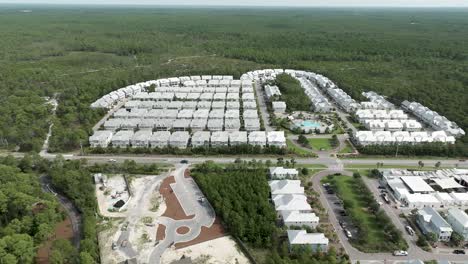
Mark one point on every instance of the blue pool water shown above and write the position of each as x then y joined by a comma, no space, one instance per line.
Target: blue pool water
309,124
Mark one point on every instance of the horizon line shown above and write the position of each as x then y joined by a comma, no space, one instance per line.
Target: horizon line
232,5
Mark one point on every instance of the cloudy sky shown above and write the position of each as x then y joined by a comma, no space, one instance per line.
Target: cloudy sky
431,3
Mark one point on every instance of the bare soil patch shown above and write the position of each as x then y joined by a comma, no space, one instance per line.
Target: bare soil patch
63,230
183,230
161,232
173,208
213,232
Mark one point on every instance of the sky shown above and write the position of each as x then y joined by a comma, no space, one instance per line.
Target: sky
378,3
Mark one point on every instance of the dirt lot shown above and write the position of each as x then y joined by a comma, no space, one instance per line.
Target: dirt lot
161,232
63,230
173,208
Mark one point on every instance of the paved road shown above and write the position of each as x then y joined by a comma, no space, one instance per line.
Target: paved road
188,193
262,105
354,254
327,161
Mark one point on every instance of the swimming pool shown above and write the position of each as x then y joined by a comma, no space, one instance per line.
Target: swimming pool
309,124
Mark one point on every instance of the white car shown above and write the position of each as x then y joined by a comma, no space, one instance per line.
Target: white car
400,253
348,234
112,160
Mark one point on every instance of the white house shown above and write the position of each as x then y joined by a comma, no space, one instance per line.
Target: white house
237,138
179,139
279,106
282,173
219,138
317,242
291,202
458,219
296,218
215,124
252,124
141,139
201,139
100,139
160,139
279,187
430,221
276,138
122,138
257,138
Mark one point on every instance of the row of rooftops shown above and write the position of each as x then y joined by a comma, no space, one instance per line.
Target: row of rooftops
389,137
363,114
190,104
418,188
376,101
110,99
320,103
191,84
410,125
291,204
139,113
272,91
433,119
206,96
229,124
146,138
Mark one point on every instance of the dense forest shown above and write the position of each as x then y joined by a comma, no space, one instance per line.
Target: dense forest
27,215
240,194
83,53
292,93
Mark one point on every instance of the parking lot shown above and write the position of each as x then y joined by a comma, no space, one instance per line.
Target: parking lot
336,205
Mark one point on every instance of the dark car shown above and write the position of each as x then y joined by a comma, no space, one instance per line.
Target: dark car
459,251
184,161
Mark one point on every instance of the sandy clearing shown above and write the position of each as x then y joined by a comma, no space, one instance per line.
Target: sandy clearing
209,251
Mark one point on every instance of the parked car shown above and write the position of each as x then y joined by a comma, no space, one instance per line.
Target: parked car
342,224
459,251
409,230
184,161
385,198
400,253
348,234
381,187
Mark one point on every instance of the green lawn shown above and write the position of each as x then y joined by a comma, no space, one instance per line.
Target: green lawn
347,149
376,240
297,150
320,143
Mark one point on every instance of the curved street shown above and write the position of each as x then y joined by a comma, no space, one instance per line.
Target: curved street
188,194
